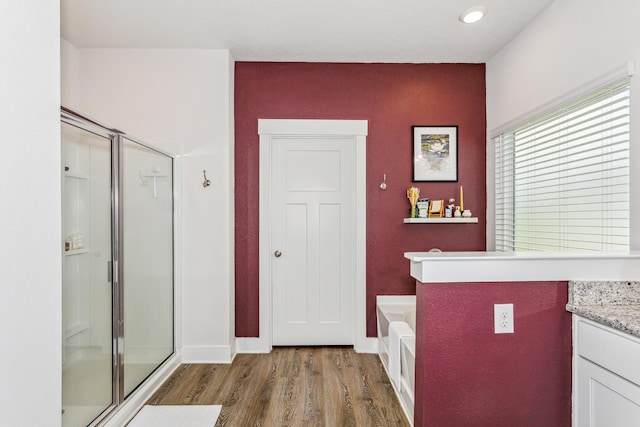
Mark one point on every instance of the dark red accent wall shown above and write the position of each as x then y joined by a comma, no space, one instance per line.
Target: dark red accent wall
468,376
392,97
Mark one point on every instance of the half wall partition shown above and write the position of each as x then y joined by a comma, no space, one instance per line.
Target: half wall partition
118,267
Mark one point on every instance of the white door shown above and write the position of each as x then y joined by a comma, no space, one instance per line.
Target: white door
312,232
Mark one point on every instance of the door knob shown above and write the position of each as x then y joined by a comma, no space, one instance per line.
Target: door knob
278,254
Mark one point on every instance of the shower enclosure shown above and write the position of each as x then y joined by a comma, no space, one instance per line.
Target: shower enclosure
118,267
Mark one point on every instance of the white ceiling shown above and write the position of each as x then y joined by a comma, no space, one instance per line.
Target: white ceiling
419,31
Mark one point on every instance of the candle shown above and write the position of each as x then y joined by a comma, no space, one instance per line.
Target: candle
461,199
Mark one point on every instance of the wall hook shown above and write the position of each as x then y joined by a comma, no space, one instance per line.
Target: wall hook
206,182
383,186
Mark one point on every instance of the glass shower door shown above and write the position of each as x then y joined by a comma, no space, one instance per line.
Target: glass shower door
87,303
146,211
118,268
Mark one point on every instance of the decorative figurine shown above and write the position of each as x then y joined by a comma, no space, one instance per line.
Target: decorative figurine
451,207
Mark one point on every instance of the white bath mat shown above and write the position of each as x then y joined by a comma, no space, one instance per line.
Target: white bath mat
176,416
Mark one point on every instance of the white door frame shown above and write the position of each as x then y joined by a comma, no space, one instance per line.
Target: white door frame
357,129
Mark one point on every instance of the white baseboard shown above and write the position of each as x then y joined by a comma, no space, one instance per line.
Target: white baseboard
207,354
252,345
367,345
258,345
136,401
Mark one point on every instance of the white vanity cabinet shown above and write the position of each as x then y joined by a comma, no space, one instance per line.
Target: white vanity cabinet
606,376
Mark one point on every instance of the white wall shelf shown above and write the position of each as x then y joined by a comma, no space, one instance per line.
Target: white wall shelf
76,175
76,220
76,252
75,329
441,220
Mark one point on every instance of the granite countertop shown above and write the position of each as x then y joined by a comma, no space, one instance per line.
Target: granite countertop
613,304
624,318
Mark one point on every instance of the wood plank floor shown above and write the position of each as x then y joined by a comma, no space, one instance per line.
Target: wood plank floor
291,386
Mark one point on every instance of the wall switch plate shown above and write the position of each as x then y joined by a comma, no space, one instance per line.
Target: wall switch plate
503,318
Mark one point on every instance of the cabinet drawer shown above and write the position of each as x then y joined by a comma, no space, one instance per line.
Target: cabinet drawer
613,350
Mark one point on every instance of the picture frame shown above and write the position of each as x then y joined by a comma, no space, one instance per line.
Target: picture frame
435,153
436,209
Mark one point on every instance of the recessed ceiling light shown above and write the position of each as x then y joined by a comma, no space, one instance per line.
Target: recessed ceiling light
473,15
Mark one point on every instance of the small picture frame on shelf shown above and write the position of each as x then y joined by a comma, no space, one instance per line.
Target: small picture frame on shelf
435,153
436,209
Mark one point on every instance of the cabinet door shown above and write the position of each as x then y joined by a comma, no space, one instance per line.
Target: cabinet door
605,399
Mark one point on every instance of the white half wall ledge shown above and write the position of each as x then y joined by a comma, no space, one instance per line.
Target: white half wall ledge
471,267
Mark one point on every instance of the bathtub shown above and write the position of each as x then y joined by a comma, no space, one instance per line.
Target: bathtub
400,309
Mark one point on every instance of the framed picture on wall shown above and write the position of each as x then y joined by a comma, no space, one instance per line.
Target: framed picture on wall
435,153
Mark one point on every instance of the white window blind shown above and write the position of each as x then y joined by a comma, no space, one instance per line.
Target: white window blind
562,181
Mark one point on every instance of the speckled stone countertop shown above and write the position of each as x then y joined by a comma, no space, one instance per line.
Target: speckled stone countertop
613,304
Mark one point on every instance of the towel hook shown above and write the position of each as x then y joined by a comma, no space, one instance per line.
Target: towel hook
206,182
383,186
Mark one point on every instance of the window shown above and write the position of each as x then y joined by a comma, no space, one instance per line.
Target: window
562,180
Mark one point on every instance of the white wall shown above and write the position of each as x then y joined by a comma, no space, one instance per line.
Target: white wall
69,75
181,101
231,232
571,45
31,249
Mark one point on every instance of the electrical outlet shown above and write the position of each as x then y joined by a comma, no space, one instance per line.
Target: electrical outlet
503,318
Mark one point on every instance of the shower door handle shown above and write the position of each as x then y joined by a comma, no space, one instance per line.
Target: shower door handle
109,272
